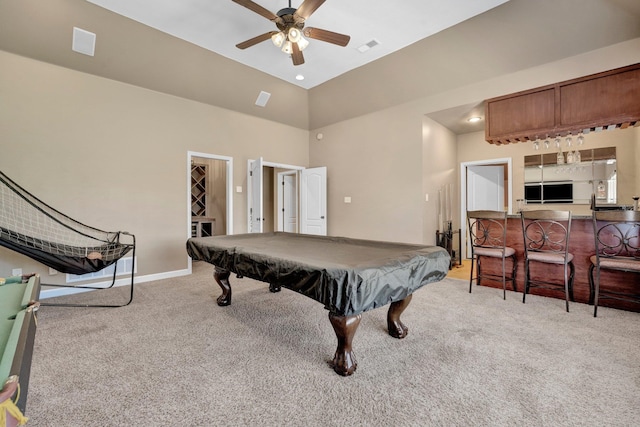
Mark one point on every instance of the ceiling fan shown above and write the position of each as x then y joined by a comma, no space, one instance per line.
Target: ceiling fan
290,23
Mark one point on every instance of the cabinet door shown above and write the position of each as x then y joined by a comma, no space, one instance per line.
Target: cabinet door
521,115
601,101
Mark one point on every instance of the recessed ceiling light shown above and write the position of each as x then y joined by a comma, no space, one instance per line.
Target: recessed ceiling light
474,119
299,77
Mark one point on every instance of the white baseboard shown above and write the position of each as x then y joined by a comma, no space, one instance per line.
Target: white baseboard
62,291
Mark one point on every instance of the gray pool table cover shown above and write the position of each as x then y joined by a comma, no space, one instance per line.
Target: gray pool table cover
348,276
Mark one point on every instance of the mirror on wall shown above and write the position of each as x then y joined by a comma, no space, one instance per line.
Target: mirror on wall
549,178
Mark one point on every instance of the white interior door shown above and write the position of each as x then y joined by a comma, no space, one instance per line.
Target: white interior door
288,201
254,205
313,201
485,191
485,188
469,195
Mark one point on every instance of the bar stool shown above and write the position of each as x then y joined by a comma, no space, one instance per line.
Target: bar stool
546,241
617,247
488,236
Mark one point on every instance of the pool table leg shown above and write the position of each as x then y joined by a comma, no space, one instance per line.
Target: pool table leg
397,329
274,287
344,360
222,279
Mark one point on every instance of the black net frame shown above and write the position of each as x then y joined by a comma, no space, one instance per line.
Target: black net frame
31,227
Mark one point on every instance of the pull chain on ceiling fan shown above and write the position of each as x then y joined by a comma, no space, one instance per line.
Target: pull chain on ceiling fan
290,23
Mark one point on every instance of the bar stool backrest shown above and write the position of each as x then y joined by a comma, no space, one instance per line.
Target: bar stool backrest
617,247
617,234
487,229
546,231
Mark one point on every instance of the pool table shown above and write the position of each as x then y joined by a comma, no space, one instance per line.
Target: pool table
18,306
348,276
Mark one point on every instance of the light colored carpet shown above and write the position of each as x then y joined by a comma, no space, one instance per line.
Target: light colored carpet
173,357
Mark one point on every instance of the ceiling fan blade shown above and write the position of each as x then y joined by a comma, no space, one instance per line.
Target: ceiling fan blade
257,9
256,40
296,55
327,36
307,8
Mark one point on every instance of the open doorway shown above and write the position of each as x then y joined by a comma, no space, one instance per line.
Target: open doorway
484,185
209,193
287,201
285,198
280,199
267,199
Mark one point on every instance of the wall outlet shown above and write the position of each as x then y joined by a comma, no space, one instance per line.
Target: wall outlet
16,272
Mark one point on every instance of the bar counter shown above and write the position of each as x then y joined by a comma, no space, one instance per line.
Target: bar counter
582,246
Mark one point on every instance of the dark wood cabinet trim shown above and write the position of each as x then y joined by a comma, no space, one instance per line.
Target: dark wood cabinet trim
603,100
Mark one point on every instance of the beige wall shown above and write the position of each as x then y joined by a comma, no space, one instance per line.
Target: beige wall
388,160
439,171
114,156
377,161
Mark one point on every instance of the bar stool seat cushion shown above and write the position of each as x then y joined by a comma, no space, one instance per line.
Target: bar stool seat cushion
495,252
625,264
550,257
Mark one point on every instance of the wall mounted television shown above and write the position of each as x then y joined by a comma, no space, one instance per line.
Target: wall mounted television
549,192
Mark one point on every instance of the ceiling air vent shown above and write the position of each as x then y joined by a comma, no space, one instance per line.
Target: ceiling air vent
262,99
365,47
83,41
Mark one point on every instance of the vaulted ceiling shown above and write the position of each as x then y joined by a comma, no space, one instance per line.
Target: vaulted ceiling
187,48
219,25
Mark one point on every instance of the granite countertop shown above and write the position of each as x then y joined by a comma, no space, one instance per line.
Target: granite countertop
576,216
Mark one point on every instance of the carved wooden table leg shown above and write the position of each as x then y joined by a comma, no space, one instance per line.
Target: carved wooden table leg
344,361
274,287
397,329
222,278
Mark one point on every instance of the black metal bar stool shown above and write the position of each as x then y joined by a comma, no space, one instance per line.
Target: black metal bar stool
546,240
617,247
488,236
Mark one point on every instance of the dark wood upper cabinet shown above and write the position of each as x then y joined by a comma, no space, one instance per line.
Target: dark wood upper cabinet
611,98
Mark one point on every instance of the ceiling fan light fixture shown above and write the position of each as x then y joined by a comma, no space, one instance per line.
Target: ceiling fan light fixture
294,34
290,23
287,47
278,38
302,43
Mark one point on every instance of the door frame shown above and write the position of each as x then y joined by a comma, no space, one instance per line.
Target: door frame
280,197
229,200
463,190
250,189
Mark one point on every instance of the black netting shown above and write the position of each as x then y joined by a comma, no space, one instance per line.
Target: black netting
33,228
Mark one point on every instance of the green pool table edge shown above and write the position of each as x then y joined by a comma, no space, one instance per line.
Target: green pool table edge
17,351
